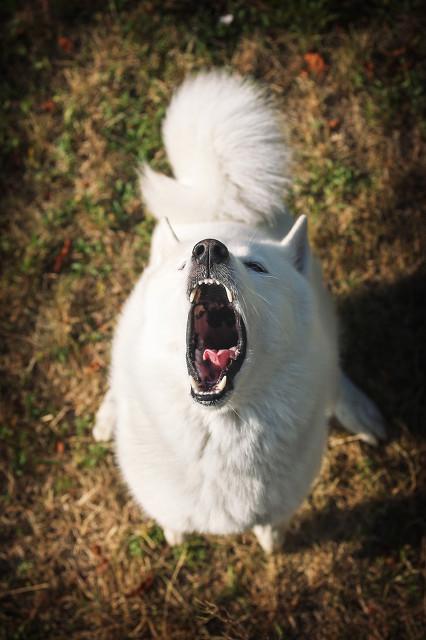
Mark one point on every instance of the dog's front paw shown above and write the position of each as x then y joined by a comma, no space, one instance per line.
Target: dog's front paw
105,420
270,538
173,537
102,432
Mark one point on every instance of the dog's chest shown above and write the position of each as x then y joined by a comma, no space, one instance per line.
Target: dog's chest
230,484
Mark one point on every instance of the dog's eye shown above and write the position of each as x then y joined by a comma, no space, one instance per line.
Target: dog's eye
256,266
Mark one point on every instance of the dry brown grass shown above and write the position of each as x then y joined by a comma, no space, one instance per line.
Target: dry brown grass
77,559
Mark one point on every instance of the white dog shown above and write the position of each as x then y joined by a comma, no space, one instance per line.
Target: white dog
225,367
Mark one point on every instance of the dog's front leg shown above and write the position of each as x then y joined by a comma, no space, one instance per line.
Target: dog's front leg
105,419
173,537
270,537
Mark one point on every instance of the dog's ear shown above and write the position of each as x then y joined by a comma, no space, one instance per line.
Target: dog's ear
296,245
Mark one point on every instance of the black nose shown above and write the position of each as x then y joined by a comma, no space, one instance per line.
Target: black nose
209,252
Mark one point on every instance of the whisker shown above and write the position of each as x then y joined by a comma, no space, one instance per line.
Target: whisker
257,295
238,416
255,309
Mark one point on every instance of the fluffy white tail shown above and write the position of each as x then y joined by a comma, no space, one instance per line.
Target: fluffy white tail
227,153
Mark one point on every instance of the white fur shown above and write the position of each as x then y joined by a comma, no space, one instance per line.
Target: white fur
250,463
225,147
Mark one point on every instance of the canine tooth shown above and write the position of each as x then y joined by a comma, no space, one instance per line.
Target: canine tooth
194,384
192,295
228,294
216,282
221,385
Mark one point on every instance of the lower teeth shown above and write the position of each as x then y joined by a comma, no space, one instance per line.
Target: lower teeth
218,387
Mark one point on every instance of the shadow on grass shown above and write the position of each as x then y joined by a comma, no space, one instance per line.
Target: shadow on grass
385,348
382,526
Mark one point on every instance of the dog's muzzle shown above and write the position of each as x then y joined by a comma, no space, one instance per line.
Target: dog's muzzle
216,335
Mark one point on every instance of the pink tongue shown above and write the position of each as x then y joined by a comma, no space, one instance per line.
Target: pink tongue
219,358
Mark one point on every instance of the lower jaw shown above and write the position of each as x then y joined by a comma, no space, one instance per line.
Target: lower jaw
208,400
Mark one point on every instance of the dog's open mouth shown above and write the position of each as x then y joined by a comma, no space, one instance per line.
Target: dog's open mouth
216,341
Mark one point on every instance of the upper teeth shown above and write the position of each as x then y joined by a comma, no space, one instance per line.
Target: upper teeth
194,384
209,281
222,384
229,294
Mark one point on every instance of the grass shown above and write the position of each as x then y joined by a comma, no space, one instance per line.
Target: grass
85,87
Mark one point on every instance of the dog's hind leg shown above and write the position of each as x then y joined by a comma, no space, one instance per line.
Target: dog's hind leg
105,419
357,413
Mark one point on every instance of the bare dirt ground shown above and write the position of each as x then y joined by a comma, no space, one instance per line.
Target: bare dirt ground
83,92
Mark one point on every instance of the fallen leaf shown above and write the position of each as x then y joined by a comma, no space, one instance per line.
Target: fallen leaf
315,62
369,69
144,585
227,19
333,123
93,367
60,448
396,53
66,44
102,566
47,105
59,260
96,549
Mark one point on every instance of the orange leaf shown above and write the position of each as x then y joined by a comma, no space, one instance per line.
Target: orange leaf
334,123
315,62
396,53
59,260
60,448
48,105
96,549
145,585
102,566
66,44
369,69
93,366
